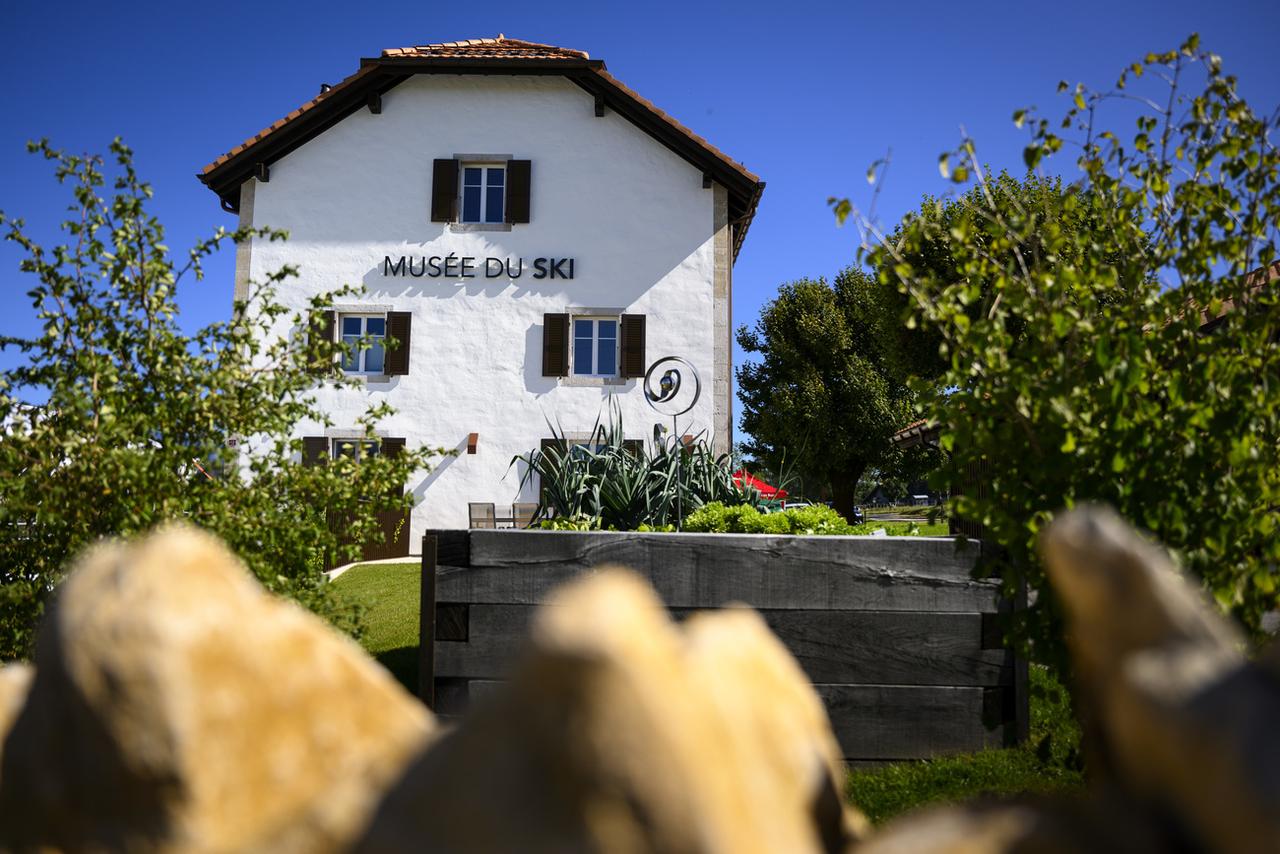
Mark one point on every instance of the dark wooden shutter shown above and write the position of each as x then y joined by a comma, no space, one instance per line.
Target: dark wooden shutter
322,323
634,447
555,345
315,450
392,448
444,191
399,325
518,190
632,345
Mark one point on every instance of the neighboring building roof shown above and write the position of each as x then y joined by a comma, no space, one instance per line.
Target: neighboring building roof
500,55
1254,282
919,432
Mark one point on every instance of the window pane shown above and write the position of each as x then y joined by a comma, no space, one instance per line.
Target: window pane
608,329
350,326
493,210
497,176
471,204
373,358
582,355
376,326
582,329
607,363
471,176
369,449
351,361
344,448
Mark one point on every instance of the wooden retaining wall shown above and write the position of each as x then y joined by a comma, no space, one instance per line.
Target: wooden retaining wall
901,643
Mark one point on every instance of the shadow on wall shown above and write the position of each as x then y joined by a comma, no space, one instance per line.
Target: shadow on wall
420,490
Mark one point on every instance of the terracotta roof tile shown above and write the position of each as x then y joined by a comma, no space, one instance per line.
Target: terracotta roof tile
499,48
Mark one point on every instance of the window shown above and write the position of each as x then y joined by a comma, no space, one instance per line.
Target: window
356,449
371,328
487,192
484,193
595,346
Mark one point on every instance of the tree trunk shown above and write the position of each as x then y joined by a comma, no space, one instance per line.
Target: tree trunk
844,490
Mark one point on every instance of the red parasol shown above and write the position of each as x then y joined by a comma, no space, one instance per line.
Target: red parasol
742,478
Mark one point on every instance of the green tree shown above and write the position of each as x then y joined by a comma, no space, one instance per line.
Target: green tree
116,421
1089,373
1074,221
824,398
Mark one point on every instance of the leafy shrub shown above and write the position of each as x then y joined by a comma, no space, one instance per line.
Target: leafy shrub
116,420
1135,362
715,518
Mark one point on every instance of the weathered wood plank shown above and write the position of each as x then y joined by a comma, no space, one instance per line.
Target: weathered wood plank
908,722
869,647
708,570
427,622
873,723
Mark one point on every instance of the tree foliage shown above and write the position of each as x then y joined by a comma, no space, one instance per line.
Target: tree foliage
824,396
1076,221
134,426
1079,369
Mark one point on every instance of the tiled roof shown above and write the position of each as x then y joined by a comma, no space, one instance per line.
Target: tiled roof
499,48
499,55
915,433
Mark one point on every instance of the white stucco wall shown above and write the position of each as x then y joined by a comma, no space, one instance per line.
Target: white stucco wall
633,215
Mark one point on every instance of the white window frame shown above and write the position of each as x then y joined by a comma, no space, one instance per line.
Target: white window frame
361,353
484,166
595,344
360,445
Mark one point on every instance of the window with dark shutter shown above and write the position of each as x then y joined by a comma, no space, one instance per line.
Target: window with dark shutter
322,323
518,190
444,191
315,450
634,447
632,346
399,325
555,345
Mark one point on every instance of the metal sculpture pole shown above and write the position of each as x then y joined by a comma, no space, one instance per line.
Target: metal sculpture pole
664,400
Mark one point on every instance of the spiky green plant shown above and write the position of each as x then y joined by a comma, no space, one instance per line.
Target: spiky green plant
611,482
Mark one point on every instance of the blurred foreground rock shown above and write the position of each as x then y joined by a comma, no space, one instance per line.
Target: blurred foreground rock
1183,724
1183,732
177,706
622,732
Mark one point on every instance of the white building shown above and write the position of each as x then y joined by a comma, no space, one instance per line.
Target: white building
535,231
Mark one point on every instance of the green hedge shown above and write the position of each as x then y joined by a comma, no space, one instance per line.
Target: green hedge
716,518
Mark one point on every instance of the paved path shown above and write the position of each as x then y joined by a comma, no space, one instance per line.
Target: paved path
338,570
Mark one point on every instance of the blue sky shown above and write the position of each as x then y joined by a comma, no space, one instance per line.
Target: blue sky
807,95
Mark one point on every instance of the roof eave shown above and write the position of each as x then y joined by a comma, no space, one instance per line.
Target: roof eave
381,74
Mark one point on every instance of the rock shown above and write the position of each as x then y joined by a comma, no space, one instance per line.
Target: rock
619,732
15,682
177,706
1042,826
1185,724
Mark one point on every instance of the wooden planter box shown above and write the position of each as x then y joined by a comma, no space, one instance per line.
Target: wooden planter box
899,640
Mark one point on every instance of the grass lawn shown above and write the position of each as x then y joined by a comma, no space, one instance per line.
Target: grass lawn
388,593
922,528
1049,761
